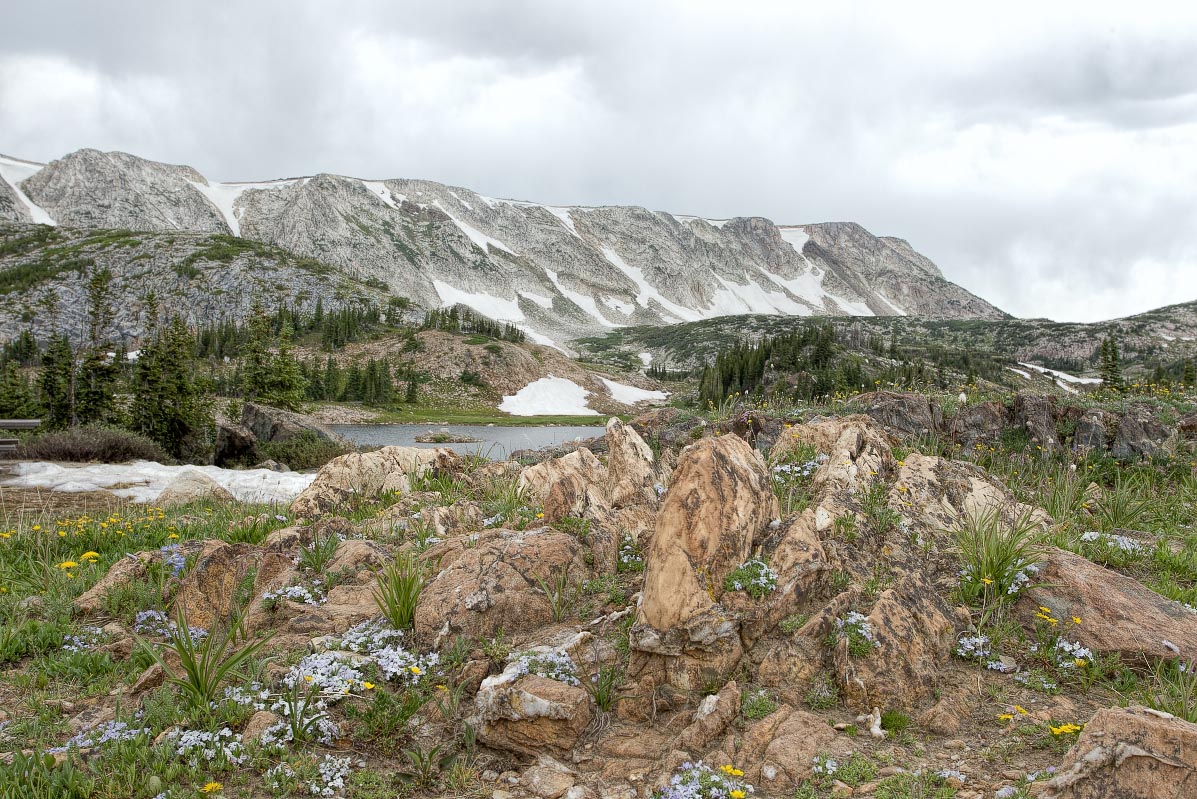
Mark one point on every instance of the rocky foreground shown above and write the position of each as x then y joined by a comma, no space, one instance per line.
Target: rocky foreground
650,620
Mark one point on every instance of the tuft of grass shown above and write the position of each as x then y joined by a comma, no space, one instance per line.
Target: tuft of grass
996,555
397,590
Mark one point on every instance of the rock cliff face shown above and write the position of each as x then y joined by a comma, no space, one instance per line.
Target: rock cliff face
558,272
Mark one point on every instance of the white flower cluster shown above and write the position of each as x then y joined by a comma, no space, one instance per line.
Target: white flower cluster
550,665
950,774
333,771
329,672
1070,654
630,559
87,638
256,697
107,732
277,777
295,593
797,471
157,623
973,647
856,625
199,747
382,644
824,766
1021,578
370,636
754,577
313,717
1036,682
1130,546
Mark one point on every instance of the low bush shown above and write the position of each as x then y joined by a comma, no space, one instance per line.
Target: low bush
303,451
92,444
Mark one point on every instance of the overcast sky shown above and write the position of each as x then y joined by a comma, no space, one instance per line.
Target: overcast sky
1044,155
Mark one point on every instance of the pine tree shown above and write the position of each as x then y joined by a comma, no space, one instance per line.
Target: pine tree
169,405
1109,365
285,384
255,357
1189,377
17,400
54,382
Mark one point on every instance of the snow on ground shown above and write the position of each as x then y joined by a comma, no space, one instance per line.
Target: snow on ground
583,301
1166,337
497,308
646,358
809,286
625,308
224,196
540,338
897,309
383,193
12,172
564,216
645,290
539,299
796,237
630,395
143,481
1091,381
467,206
548,396
1027,375
475,235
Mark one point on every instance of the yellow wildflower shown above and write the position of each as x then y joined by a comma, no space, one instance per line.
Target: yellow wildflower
211,787
737,794
1022,711
369,686
1076,619
1006,717
89,555
1065,729
68,564
415,670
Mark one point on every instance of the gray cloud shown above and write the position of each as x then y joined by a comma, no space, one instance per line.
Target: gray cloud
1042,156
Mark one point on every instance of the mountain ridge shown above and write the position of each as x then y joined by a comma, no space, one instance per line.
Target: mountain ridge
558,272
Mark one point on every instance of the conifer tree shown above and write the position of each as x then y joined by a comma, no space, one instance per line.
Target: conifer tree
169,404
1189,377
54,382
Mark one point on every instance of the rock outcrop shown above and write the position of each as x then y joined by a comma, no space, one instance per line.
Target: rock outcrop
1129,753
361,475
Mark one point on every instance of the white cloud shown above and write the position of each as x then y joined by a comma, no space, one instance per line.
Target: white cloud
1039,153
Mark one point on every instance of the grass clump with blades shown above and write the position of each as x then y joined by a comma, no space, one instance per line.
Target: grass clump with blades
397,590
999,557
207,659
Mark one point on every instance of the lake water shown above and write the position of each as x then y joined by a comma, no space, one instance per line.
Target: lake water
496,442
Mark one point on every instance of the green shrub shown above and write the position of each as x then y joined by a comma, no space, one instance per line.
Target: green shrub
998,556
303,451
92,444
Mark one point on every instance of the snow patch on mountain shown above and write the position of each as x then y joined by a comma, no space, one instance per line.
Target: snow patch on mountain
646,291
583,301
549,396
13,171
497,308
630,395
476,235
380,190
224,197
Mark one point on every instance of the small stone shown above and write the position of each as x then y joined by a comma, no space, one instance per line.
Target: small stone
955,744
843,725
866,788
889,771
1013,774
839,789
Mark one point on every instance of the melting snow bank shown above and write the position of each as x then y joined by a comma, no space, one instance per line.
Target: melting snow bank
1092,381
549,396
630,395
143,481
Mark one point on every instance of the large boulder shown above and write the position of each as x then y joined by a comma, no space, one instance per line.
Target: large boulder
207,594
1141,434
1093,430
902,413
275,424
720,499
1117,613
915,632
189,486
235,445
495,584
530,714
778,751
568,485
1036,414
365,475
982,423
630,473
1129,753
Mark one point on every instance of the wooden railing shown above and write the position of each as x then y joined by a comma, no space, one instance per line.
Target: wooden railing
10,444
